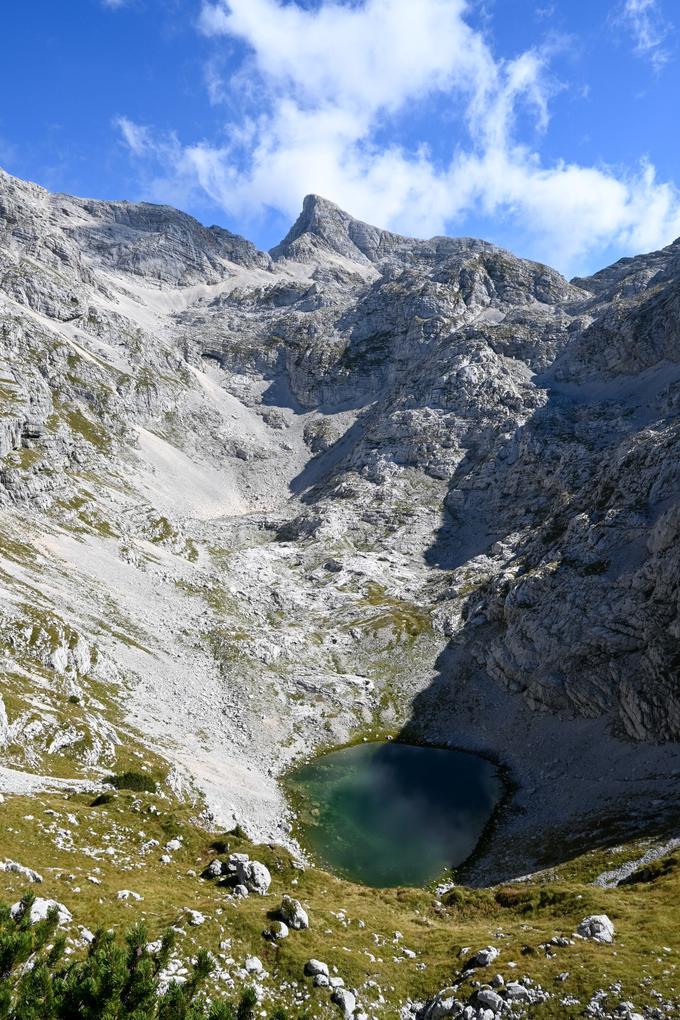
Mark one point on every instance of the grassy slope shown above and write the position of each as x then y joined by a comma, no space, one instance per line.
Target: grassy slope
36,833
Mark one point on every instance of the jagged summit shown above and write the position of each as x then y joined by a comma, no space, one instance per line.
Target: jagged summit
323,226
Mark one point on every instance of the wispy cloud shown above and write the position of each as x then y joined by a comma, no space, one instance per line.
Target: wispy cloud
649,29
114,5
321,90
137,138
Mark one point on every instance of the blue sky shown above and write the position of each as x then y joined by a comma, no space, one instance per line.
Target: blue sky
548,127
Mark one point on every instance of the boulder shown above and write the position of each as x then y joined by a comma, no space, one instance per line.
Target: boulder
516,992
597,927
442,1005
277,931
254,875
40,909
314,967
345,999
19,869
489,999
293,913
485,957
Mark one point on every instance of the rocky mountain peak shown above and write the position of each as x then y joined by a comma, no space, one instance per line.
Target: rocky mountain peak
323,227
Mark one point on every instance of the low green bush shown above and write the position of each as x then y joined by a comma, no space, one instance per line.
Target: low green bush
136,781
116,980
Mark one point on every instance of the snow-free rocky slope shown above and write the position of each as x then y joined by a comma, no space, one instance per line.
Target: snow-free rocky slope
253,504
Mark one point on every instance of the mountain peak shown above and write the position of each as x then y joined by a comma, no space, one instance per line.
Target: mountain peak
323,226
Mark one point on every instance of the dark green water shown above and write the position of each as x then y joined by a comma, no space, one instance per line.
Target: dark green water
387,814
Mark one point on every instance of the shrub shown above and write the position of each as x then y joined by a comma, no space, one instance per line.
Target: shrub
131,780
115,980
103,798
247,1004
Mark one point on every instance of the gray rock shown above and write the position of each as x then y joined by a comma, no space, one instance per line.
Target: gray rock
40,909
293,913
195,918
345,999
514,991
277,931
20,869
485,957
597,927
490,999
252,874
314,967
443,1004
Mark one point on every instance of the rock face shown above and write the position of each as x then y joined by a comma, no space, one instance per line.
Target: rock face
362,479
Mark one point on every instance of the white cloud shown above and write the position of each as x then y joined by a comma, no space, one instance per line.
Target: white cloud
114,4
649,29
137,138
324,87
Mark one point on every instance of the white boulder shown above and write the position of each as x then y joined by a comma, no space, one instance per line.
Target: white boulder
294,914
40,910
345,999
253,874
597,927
19,869
314,967
485,957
